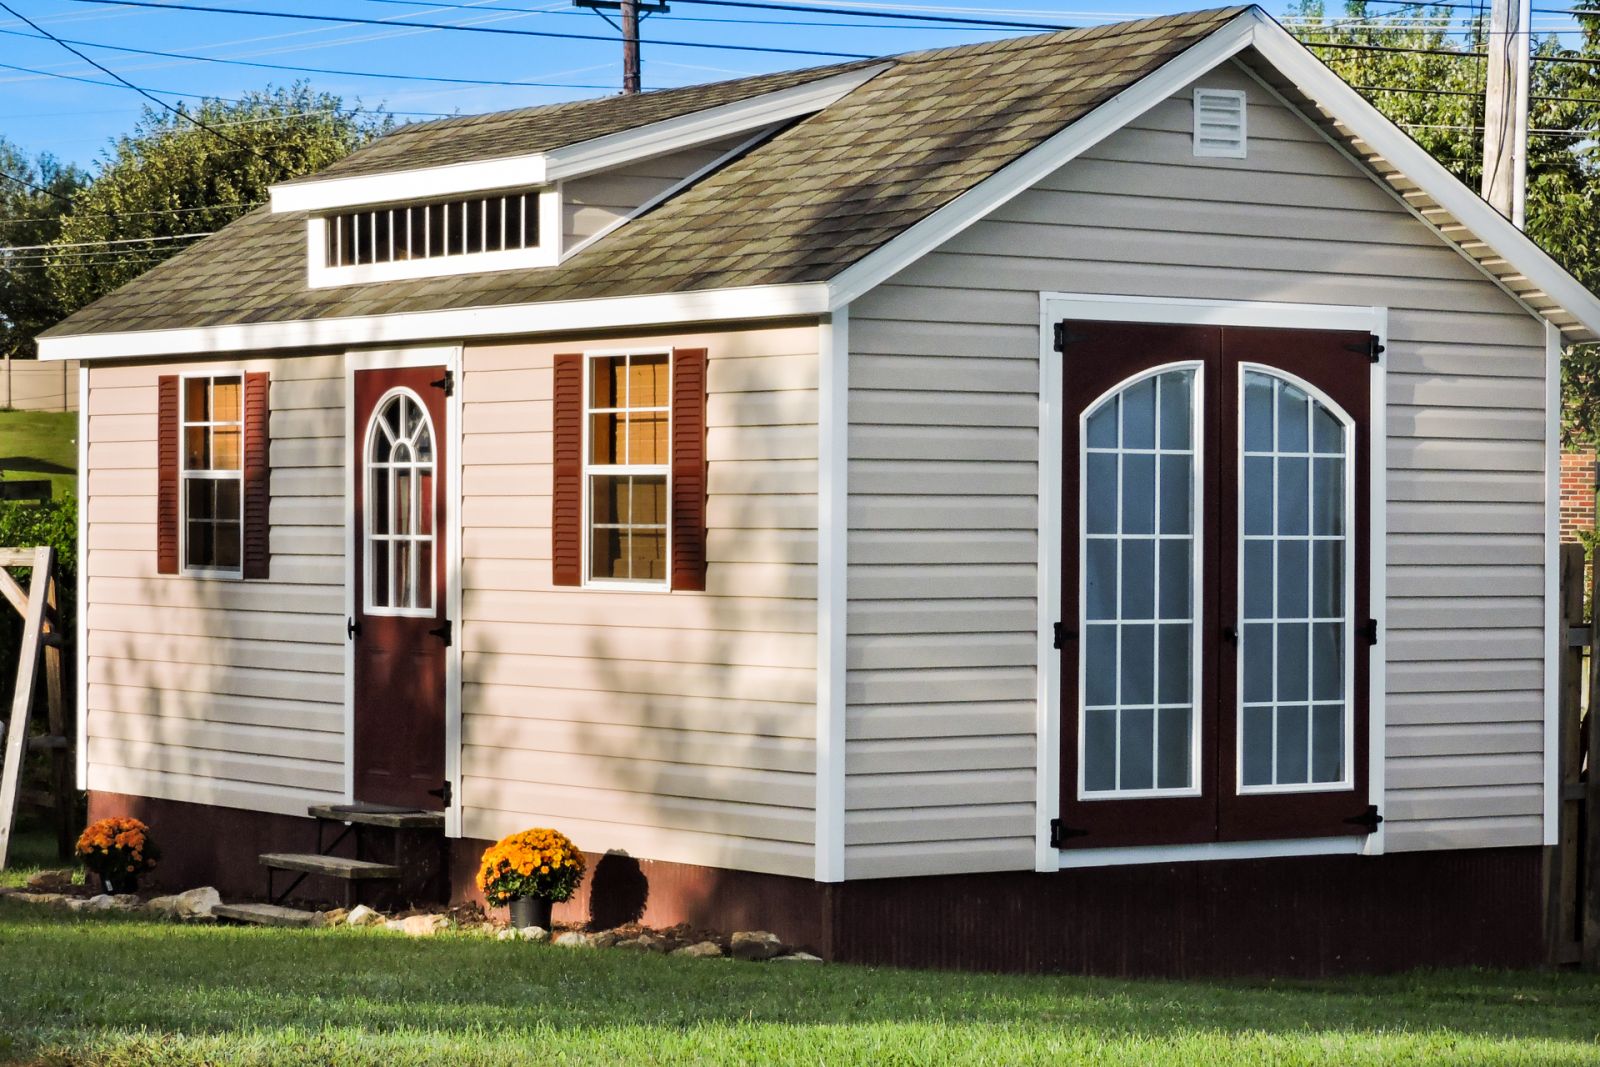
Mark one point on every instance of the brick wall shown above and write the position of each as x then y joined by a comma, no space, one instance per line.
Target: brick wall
1577,493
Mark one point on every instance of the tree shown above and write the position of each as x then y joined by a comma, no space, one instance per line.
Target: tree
33,197
172,178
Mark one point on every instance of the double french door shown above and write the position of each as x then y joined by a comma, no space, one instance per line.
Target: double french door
1214,654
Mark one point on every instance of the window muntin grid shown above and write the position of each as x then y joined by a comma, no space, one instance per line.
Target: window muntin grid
1295,588
506,223
627,456
1139,588
211,435
400,508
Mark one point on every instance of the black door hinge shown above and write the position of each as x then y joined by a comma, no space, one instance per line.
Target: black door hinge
443,632
1060,833
352,629
447,383
1371,348
1369,631
1062,338
1063,635
1368,820
444,793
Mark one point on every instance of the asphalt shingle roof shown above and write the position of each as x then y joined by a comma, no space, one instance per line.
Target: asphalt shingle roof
800,207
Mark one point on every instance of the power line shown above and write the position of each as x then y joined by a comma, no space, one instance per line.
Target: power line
506,30
755,5
101,244
1458,54
131,214
26,184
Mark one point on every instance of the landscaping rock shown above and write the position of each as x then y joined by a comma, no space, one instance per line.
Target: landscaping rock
573,939
534,933
755,945
605,939
41,898
796,957
361,915
51,881
700,950
106,902
194,904
331,917
419,925
506,935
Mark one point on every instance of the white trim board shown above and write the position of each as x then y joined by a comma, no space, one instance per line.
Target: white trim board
80,639
1552,587
574,160
1213,850
1056,306
833,538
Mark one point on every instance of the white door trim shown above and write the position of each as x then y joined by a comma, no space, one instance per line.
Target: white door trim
449,356
1054,307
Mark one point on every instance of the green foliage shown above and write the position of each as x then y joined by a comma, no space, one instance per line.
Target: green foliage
28,218
171,177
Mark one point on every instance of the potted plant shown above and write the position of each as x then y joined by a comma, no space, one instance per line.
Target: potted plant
530,871
118,850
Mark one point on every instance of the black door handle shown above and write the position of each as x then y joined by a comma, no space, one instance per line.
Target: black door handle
1230,634
442,632
352,629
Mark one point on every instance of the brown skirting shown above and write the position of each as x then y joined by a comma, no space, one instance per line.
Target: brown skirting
1305,916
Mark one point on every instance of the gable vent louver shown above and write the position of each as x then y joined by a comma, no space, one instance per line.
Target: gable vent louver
1219,123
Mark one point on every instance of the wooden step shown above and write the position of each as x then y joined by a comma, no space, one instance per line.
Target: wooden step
380,815
264,914
331,866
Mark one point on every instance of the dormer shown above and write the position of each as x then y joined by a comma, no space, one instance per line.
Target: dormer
373,219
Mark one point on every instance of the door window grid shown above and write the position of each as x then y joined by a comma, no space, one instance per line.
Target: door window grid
400,508
1295,656
627,425
212,438
1138,649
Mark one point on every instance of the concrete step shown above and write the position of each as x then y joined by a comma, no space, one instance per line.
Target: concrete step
264,914
330,866
380,815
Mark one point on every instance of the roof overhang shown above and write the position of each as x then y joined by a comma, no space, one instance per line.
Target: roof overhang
570,161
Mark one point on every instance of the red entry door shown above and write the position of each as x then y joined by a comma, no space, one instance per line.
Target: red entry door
400,629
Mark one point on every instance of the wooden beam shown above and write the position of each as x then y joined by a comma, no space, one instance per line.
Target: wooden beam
13,592
22,700
61,782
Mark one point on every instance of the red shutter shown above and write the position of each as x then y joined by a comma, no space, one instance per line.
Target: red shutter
688,468
167,474
566,498
257,546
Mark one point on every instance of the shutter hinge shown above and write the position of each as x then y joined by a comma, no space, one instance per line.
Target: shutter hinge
443,632
1369,631
444,793
447,383
1060,833
1371,347
352,629
1063,635
1368,820
1061,338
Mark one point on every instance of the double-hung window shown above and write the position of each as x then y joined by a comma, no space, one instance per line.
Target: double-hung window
213,474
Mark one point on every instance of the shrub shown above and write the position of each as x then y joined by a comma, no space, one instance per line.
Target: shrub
535,863
116,848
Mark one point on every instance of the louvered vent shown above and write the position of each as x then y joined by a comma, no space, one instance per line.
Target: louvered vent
1219,123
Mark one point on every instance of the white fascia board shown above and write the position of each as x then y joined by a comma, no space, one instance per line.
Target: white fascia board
622,312
1025,172
571,161
686,131
1295,62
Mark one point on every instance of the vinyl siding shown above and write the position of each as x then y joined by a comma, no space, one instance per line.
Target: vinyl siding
217,691
676,726
943,447
592,203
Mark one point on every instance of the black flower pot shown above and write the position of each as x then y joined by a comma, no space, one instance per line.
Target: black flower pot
530,911
115,884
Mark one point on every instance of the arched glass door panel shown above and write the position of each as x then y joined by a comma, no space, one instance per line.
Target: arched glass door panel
400,507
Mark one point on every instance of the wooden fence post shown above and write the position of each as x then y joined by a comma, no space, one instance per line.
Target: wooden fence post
1562,874
1585,744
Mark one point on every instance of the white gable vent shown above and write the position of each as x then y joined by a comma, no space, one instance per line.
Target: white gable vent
1219,123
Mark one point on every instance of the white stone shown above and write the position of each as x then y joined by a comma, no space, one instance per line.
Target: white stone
106,902
419,925
40,898
534,933
331,917
572,939
700,950
796,957
361,915
755,945
194,904
506,935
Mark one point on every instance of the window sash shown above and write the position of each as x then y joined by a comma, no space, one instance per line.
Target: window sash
592,471
187,474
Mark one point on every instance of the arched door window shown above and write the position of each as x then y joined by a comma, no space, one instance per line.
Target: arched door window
400,507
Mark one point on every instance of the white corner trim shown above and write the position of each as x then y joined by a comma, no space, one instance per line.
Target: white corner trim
1023,173
570,161
1313,78
80,639
1185,311
1552,585
833,502
664,309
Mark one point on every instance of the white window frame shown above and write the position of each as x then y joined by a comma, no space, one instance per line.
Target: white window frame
1352,461
365,533
1197,575
589,470
208,474
547,253
1055,306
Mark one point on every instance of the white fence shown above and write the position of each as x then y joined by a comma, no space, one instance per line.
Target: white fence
28,385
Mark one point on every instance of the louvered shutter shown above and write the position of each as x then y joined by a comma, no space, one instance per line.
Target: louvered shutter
688,468
257,550
566,498
167,474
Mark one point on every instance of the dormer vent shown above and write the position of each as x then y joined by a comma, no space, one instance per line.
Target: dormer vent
431,231
1219,123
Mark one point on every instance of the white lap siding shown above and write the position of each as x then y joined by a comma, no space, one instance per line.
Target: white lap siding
676,726
942,478
208,690
594,202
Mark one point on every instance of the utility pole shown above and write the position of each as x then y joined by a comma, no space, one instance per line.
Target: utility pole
1505,112
630,13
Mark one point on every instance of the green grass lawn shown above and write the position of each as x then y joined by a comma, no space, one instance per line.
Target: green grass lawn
79,989
40,444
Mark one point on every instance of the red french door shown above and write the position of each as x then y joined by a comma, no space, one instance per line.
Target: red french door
400,630
1214,599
